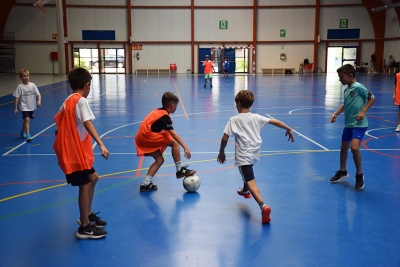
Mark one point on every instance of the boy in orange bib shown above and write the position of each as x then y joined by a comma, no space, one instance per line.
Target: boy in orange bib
73,147
154,135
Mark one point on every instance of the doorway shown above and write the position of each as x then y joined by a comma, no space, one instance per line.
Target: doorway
339,56
112,60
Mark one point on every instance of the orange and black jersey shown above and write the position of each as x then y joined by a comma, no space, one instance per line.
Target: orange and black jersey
163,123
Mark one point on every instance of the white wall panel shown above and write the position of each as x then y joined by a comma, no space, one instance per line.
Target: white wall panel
95,2
340,2
96,19
240,25
268,55
161,25
35,57
358,18
160,2
159,57
214,3
298,23
285,2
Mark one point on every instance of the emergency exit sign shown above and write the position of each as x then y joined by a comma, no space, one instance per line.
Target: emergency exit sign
223,24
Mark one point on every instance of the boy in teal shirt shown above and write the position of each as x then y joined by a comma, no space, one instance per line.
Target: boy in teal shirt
357,100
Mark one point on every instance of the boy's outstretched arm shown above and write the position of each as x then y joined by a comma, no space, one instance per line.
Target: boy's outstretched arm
221,155
92,131
336,113
282,125
186,149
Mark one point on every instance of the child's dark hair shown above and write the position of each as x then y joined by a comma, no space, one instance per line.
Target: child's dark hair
169,98
347,69
78,77
245,98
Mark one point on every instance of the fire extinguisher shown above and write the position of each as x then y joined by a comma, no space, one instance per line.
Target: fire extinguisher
137,56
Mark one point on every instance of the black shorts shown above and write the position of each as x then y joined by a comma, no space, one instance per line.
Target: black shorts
28,114
79,177
247,172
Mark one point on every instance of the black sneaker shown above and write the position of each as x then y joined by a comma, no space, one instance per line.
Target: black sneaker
359,181
338,176
204,86
210,85
90,231
184,172
150,187
94,219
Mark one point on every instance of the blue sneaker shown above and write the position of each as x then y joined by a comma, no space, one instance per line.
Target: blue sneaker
22,134
28,138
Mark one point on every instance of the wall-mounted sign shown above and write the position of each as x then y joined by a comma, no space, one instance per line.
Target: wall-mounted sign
344,23
223,24
283,33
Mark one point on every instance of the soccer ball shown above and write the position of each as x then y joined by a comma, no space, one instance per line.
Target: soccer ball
191,183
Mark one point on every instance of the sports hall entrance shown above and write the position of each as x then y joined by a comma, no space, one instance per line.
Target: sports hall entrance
340,55
100,61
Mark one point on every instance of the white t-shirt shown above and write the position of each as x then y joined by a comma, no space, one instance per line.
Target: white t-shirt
246,128
27,96
82,113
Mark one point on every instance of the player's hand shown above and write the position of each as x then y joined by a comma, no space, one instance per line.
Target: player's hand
104,152
221,158
290,135
333,118
39,104
360,115
394,97
187,153
15,111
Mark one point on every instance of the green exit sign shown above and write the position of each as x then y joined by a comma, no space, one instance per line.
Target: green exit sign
283,33
344,23
223,24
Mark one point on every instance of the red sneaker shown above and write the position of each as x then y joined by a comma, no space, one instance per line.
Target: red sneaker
244,194
266,211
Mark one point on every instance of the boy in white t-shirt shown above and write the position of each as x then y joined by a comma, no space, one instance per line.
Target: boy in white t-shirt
25,94
73,147
246,128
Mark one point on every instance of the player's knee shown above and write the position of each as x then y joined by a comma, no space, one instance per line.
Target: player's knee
355,149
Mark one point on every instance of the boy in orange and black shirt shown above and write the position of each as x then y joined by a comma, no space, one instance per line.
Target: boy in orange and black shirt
155,134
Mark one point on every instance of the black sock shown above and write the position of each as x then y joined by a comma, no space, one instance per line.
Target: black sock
261,204
245,187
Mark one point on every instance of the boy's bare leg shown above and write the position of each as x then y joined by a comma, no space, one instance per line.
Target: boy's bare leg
175,150
255,192
355,149
93,178
158,162
344,151
26,125
84,203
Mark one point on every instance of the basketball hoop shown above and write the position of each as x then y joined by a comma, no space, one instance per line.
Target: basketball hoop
39,4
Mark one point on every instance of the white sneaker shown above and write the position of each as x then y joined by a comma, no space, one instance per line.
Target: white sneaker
398,128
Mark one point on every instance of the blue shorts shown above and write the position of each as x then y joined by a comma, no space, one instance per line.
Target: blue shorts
353,133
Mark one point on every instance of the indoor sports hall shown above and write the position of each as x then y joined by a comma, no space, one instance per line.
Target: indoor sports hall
160,46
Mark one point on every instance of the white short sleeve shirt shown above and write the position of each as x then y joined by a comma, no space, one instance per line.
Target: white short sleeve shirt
246,128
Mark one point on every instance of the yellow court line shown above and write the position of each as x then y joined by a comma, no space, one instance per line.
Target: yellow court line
180,99
166,165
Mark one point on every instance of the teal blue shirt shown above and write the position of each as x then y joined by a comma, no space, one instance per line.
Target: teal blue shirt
355,98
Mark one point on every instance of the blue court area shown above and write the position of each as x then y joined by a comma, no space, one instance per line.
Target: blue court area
314,222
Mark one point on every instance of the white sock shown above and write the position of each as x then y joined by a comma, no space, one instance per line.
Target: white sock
178,165
147,180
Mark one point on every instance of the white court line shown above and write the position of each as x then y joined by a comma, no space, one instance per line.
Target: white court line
23,143
367,132
302,135
11,150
